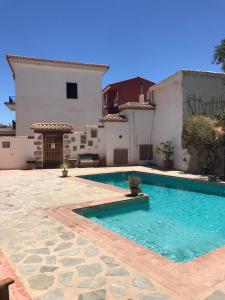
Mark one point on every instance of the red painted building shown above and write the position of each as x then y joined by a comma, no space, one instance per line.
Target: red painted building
124,91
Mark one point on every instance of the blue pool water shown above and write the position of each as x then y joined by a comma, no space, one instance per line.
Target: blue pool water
183,220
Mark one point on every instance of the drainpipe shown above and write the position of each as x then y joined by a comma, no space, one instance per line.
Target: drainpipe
134,134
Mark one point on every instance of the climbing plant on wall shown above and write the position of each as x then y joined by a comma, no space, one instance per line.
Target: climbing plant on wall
196,106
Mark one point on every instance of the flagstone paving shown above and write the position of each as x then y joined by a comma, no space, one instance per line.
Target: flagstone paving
52,261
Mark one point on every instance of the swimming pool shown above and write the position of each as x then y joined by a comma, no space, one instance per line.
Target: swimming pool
184,219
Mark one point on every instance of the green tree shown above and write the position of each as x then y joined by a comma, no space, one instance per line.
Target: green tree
219,55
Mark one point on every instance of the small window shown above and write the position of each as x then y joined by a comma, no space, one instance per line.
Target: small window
82,146
74,148
73,139
71,90
5,144
83,139
93,133
90,143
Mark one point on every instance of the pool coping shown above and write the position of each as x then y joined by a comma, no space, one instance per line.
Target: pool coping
187,280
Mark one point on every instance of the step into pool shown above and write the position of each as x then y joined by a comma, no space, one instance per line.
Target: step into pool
183,219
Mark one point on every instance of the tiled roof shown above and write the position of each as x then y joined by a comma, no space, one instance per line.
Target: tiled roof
43,61
136,105
114,118
52,127
125,82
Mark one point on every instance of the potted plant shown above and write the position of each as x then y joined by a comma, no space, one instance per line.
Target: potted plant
64,167
135,184
212,178
168,150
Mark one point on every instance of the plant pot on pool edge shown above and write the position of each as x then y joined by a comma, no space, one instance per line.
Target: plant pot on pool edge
134,183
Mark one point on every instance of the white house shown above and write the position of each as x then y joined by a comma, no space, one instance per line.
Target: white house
55,91
58,110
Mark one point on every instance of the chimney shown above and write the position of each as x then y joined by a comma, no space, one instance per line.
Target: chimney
141,96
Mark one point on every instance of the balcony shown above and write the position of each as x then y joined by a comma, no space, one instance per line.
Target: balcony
11,103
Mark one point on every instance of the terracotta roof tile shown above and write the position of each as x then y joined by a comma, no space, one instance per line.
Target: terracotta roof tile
17,58
114,118
52,126
136,105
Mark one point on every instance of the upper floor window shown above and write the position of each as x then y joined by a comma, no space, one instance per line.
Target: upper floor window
83,139
71,90
94,133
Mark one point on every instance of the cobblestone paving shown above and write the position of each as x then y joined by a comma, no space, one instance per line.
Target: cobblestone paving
53,262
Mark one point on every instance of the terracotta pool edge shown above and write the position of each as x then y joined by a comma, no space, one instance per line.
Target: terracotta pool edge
17,290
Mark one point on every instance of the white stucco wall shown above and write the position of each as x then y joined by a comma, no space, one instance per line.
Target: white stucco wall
128,135
206,86
21,149
41,96
140,130
113,131
168,120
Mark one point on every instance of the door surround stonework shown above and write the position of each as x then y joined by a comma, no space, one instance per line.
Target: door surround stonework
48,143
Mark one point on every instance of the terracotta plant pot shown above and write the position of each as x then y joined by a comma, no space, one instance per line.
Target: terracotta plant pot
168,164
64,173
134,191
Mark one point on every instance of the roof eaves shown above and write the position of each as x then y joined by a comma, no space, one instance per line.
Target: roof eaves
17,58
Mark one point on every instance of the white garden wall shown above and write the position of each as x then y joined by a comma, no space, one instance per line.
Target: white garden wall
168,119
21,149
116,137
129,135
140,131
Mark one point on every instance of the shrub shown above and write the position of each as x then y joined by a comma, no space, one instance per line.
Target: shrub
199,131
221,116
166,148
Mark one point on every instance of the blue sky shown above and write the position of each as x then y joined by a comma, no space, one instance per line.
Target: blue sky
152,39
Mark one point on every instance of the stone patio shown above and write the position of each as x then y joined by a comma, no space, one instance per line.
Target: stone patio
52,261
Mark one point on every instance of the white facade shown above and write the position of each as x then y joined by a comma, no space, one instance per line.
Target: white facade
110,136
168,120
41,94
129,135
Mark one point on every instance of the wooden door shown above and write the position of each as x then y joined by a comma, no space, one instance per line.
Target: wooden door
120,157
145,152
53,149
